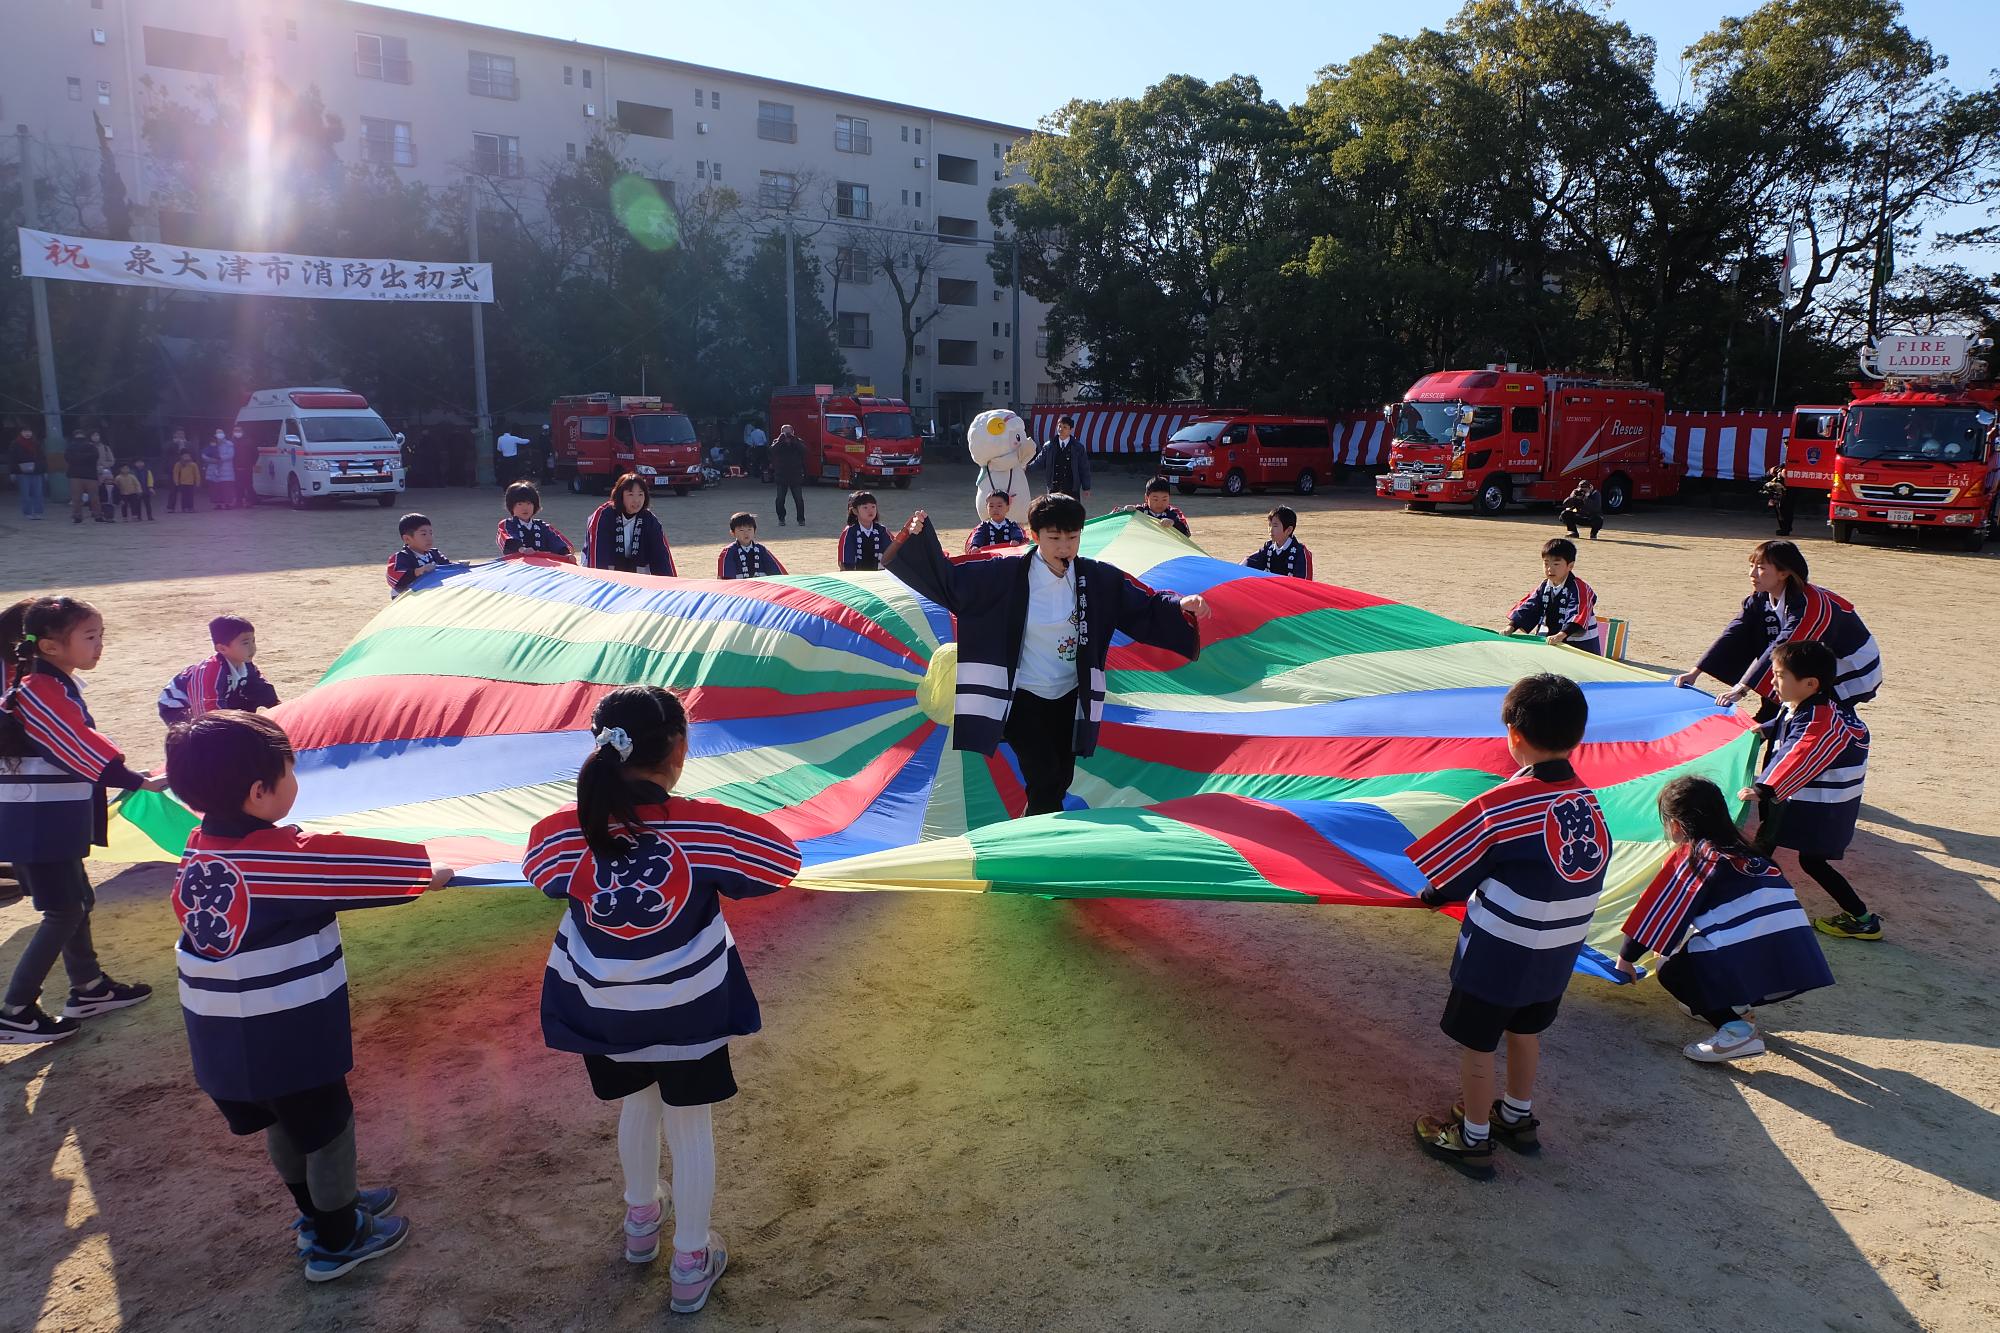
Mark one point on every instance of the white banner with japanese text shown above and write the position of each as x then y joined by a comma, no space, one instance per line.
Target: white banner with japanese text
182,268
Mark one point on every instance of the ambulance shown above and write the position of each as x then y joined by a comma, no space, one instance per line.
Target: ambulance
318,444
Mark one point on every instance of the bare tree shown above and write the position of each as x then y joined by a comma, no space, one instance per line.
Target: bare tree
909,258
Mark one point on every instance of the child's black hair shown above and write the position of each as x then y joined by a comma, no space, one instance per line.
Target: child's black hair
214,761
626,481
1057,513
652,720
1808,659
1785,555
999,495
1697,805
742,518
855,501
1159,486
227,629
1287,517
1066,420
1562,548
22,627
409,523
1548,710
523,492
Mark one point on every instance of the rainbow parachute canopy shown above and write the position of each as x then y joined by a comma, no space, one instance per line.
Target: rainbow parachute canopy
1319,733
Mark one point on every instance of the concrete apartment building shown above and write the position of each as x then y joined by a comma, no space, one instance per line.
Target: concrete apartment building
439,100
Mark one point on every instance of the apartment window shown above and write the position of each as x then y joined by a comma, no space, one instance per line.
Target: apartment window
1042,348
76,90
655,122
586,76
701,169
920,198
777,189
957,231
996,328
957,352
697,97
715,101
958,291
1007,387
715,170
387,143
851,201
850,135
569,76
906,134
491,76
496,154
171,49
854,330
919,386
103,93
996,388
997,154
960,170
850,264
569,151
774,122
920,136
378,57
906,198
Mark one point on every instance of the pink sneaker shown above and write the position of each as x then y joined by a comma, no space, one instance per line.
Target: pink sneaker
642,1234
694,1275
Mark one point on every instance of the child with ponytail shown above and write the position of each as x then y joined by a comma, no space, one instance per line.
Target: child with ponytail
641,871
1726,923
54,768
864,543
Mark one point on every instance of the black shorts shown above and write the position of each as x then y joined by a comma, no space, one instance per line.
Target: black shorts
1478,1025
681,1082
312,1119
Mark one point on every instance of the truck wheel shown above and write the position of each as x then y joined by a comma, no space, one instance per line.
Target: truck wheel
294,496
1422,506
1186,487
1306,483
1492,497
576,483
1233,483
1617,493
1843,532
385,500
680,490
902,483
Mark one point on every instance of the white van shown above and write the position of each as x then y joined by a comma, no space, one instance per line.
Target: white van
321,444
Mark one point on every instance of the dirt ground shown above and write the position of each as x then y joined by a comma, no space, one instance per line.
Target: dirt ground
999,1112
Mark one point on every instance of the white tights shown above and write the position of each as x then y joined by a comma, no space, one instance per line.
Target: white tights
690,1135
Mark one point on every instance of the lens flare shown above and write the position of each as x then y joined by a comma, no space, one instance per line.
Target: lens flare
644,213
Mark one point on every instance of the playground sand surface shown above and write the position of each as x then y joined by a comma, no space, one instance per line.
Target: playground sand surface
997,1112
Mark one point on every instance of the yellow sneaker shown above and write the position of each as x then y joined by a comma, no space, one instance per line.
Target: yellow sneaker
1848,926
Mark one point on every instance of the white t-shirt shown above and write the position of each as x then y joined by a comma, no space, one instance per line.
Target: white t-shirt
510,444
1048,644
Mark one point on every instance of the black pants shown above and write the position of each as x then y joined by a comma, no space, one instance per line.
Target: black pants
181,497
798,499
1571,518
1835,884
62,893
1787,504
1043,734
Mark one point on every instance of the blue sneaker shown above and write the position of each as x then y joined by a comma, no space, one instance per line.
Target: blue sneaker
373,1202
375,1238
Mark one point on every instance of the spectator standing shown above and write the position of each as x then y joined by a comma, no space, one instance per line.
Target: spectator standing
507,457
788,471
218,468
107,485
756,447
243,453
186,479
80,467
30,472
1065,464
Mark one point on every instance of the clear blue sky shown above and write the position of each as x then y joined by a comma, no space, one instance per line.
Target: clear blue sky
1014,62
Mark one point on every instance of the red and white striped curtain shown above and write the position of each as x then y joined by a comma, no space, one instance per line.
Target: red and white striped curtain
1726,446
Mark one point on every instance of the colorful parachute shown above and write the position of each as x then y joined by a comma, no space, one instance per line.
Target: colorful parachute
1321,730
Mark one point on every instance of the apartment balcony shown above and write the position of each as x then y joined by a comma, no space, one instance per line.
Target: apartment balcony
506,86
384,152
389,69
846,141
777,131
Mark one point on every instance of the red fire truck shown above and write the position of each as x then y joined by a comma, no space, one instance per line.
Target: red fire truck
1914,451
1497,436
598,437
850,437
1239,451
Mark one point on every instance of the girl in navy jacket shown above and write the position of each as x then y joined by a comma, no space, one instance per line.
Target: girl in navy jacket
55,766
626,535
1782,607
864,543
642,873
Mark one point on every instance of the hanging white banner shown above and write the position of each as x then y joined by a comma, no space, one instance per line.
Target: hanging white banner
180,268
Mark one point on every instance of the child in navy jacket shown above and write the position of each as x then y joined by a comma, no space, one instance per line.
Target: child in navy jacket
626,535
54,768
416,556
1160,507
1527,859
997,529
263,977
229,679
746,557
864,543
522,532
1284,553
1809,794
1561,608
1726,924
642,873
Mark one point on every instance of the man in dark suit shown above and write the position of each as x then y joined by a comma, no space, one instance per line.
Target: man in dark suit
1065,464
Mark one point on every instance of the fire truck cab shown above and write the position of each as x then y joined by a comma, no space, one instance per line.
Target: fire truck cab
1498,436
1916,448
850,437
597,437
1238,451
